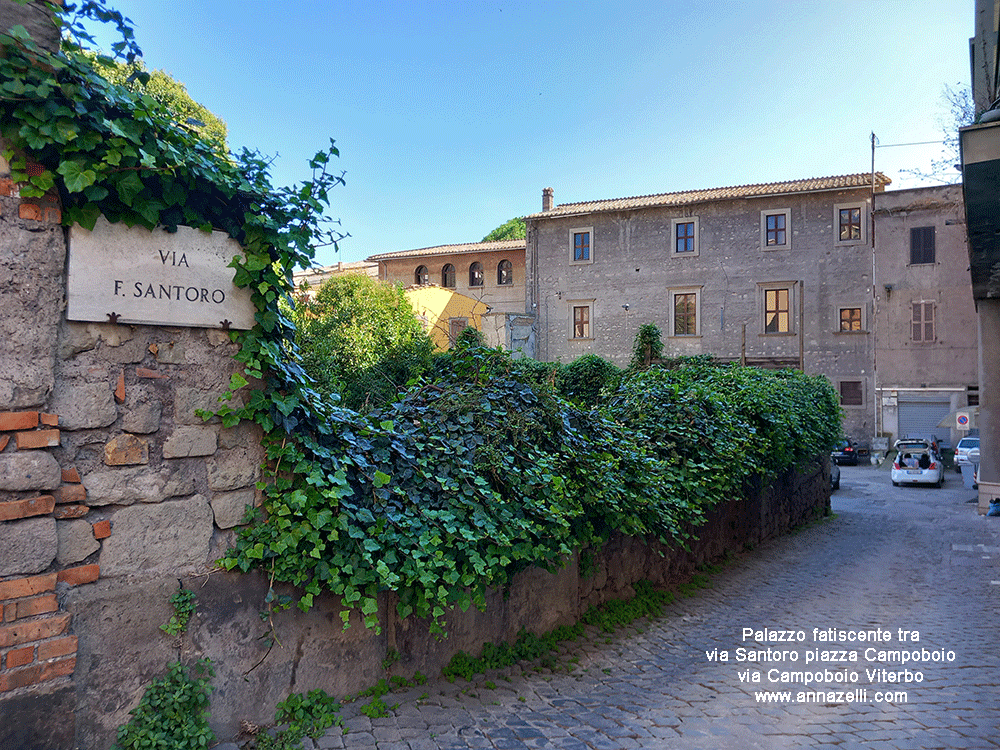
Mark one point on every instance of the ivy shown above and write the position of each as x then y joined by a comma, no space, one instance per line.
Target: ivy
465,479
173,712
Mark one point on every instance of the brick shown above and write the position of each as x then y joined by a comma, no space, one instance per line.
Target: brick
102,529
4,439
18,420
9,612
37,605
22,587
33,168
59,647
52,215
19,657
30,212
37,439
8,188
37,673
71,475
32,506
80,575
64,512
49,420
143,372
120,389
70,493
33,630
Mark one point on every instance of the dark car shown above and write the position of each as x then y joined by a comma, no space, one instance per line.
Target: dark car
845,452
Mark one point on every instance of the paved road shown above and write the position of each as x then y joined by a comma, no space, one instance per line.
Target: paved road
893,558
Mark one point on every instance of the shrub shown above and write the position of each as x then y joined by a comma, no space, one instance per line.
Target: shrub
360,340
585,380
647,348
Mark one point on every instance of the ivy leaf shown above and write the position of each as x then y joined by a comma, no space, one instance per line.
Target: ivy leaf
381,479
76,175
129,187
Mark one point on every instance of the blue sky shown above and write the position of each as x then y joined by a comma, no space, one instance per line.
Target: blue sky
451,117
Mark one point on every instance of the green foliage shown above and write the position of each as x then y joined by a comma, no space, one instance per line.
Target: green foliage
586,380
509,230
648,602
647,348
539,375
169,92
461,482
172,714
183,601
305,715
360,340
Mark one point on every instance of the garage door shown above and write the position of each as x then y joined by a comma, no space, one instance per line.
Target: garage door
921,418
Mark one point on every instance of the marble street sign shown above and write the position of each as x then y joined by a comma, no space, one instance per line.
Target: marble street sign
155,278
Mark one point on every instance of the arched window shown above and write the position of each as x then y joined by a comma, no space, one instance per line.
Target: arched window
476,274
505,273
421,275
448,276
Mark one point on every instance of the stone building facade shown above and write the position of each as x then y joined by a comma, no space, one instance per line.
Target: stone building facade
490,273
778,274
926,348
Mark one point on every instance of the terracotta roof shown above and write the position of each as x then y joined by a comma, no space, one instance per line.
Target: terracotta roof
469,247
811,185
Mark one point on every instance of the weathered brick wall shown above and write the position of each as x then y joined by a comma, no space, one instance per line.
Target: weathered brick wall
109,481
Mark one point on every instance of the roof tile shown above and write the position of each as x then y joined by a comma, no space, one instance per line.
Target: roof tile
687,197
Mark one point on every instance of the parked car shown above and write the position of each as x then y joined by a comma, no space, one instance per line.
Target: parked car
834,476
916,462
845,452
962,451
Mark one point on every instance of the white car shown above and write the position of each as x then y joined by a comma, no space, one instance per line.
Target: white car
916,462
962,451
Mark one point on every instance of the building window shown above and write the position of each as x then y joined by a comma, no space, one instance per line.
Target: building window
455,328
849,223
777,311
421,275
972,395
448,276
851,393
581,245
684,236
923,322
850,319
505,273
921,245
684,317
774,226
581,320
476,274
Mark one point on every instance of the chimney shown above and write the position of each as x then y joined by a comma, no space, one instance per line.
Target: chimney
547,199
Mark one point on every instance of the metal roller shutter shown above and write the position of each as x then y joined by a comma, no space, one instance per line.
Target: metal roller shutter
921,418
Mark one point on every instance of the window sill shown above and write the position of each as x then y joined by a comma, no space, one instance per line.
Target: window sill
685,336
850,333
776,335
591,338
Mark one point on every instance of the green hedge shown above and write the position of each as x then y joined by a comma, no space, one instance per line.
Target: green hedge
466,480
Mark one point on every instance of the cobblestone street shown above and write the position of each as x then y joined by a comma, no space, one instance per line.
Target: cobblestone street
911,558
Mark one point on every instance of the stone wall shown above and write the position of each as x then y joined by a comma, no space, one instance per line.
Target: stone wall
109,482
314,651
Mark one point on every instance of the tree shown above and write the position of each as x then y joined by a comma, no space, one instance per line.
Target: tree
960,110
360,339
168,91
511,230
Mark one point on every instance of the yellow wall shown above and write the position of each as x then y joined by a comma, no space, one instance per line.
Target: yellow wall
436,306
